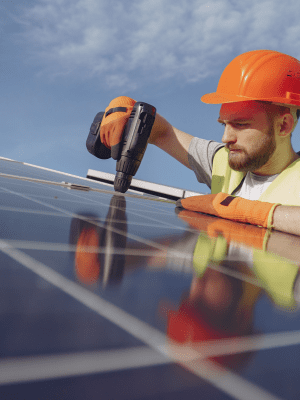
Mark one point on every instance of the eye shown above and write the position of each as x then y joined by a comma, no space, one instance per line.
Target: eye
241,124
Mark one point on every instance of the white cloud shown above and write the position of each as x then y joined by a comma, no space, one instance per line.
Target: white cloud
124,41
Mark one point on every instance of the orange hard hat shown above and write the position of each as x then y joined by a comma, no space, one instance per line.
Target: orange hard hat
264,75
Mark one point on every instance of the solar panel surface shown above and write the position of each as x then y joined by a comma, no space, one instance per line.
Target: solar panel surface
105,296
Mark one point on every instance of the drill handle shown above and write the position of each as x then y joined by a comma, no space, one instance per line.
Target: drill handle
137,131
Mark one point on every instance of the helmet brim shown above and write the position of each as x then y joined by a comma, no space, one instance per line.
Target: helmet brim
220,98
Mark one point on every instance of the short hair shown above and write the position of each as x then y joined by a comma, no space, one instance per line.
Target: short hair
273,108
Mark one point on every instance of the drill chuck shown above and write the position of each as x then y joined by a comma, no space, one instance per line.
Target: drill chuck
122,182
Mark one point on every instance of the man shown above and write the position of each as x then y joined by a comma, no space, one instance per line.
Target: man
260,95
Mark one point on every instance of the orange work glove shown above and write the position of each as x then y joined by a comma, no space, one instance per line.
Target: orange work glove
222,205
248,235
113,123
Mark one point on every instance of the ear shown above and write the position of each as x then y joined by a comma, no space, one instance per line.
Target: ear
286,122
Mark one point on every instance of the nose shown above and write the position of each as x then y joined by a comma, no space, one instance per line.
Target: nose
229,135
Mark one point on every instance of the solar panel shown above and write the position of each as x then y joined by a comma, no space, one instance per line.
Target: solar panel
109,296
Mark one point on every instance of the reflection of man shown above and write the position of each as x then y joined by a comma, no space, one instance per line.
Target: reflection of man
260,96
221,301
217,307
276,271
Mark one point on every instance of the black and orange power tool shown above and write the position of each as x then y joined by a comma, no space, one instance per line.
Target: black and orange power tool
131,151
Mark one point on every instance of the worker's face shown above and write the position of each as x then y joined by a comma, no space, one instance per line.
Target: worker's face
249,135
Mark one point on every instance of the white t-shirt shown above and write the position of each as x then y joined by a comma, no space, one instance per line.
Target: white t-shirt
201,153
254,185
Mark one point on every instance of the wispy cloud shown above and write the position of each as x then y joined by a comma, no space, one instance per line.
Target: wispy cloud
121,42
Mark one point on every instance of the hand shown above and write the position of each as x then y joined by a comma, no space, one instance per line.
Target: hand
230,207
113,123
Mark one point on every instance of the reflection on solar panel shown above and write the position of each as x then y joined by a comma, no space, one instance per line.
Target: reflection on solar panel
108,296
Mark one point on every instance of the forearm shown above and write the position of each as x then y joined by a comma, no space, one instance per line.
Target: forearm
171,140
281,218
287,219
285,245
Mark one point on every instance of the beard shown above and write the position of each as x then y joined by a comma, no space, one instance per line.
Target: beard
244,162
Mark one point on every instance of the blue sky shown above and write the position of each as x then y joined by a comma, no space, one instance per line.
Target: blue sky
62,61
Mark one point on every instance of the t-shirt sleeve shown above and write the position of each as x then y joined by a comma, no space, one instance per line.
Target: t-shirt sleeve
200,155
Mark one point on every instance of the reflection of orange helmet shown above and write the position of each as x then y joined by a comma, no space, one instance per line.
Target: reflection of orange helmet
188,326
264,75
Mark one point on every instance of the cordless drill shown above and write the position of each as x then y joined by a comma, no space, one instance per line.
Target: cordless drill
135,138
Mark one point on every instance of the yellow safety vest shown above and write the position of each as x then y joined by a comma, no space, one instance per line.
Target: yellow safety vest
276,274
285,189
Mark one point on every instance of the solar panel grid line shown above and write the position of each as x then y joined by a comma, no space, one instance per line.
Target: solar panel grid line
26,369
155,210
150,243
73,201
42,169
148,206
131,191
244,344
52,214
161,247
27,179
73,215
46,246
130,324
183,228
4,208
29,245
96,202
129,200
38,212
139,239
120,222
153,207
44,172
230,383
134,237
179,190
18,369
71,186
223,379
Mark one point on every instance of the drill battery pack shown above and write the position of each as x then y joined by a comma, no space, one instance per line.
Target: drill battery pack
93,142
